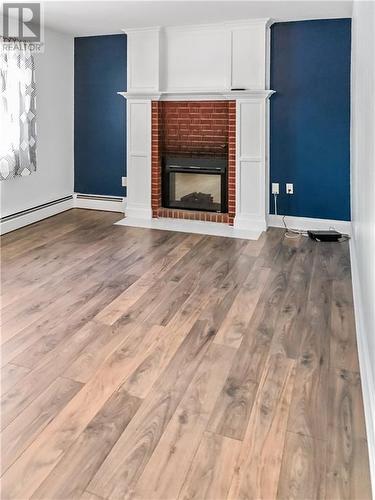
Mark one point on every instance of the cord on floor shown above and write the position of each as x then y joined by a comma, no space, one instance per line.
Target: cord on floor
293,234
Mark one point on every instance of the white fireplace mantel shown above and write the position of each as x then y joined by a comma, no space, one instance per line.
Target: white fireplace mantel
197,95
210,62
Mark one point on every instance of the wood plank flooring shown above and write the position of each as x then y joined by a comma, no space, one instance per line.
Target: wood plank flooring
142,364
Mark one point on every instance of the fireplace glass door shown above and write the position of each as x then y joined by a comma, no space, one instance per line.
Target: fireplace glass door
195,191
196,184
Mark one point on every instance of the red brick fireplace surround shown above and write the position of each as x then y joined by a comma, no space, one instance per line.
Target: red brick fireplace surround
204,127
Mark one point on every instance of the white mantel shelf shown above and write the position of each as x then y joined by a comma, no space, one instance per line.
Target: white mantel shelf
199,95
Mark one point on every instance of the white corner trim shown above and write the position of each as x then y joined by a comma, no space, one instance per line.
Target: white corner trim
99,202
35,214
367,380
307,223
190,226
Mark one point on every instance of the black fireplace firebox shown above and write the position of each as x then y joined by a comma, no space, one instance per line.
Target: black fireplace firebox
195,183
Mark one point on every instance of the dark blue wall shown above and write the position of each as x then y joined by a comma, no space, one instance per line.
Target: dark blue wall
310,117
99,114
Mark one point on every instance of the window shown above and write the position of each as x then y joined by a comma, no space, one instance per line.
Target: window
18,121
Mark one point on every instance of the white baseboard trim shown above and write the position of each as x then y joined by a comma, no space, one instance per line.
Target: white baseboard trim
99,202
367,379
35,214
307,223
190,226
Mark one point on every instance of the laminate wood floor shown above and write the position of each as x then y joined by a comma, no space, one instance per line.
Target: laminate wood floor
144,364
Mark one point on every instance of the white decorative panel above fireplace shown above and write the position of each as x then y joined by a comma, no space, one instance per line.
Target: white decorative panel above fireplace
204,57
195,58
143,60
249,46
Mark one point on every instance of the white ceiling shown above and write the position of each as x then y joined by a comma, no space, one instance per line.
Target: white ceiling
82,18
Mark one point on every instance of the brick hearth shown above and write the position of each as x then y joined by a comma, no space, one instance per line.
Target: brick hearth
204,127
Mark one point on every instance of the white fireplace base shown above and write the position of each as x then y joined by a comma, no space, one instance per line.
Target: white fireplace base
191,226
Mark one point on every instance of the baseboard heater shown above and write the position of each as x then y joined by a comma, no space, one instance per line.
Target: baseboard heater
99,197
35,209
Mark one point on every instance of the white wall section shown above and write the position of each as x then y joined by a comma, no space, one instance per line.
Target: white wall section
54,176
363,204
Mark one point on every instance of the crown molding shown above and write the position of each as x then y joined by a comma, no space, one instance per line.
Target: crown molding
148,28
264,21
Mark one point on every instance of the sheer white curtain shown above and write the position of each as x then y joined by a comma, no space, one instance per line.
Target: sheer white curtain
17,112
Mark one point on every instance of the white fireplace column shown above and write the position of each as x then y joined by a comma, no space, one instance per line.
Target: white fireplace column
252,161
138,202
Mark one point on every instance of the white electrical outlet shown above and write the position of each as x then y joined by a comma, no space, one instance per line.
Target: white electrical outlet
289,188
275,188
124,181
